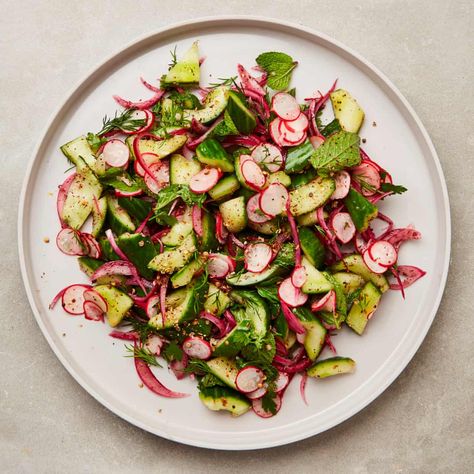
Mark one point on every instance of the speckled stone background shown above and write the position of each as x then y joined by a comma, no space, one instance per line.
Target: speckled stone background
422,424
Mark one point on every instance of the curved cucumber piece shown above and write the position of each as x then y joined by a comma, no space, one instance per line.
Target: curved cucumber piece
225,187
161,148
118,303
347,110
222,398
256,310
184,276
211,153
267,228
183,169
99,212
234,341
250,279
362,211
140,250
171,260
315,332
280,177
208,240
310,196
234,214
333,366
315,282
363,308
78,151
242,117
297,157
135,207
216,301
214,105
224,369
349,281
118,218
311,246
186,70
178,233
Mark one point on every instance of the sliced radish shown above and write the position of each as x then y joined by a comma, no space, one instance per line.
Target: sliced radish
254,213
259,393
257,407
197,348
89,240
285,106
120,193
160,176
221,231
218,266
326,303
197,220
252,174
205,180
291,295
73,299
273,199
301,337
145,115
268,156
257,257
92,295
70,243
373,266
367,174
411,275
343,184
299,276
281,382
343,226
149,159
360,243
383,253
153,306
316,141
92,311
249,379
300,124
154,344
116,153
293,138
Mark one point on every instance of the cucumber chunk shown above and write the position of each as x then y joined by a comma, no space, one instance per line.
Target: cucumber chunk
256,310
135,207
224,188
161,148
186,71
270,227
279,177
242,117
250,278
216,301
315,332
234,214
78,151
183,169
214,105
118,303
347,110
211,153
310,196
311,246
184,276
222,398
99,212
118,218
315,282
362,211
171,260
140,250
363,308
332,366
349,281
178,233
208,240
224,369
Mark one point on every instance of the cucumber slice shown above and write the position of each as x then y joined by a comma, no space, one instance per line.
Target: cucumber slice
214,105
355,264
89,265
310,196
84,189
222,398
230,345
224,188
117,217
216,301
267,228
208,240
347,110
186,71
362,211
171,260
297,157
307,220
349,281
333,366
242,117
234,214
178,233
301,179
140,250
211,153
99,212
316,282
184,276
183,169
161,148
224,369
78,151
315,332
118,303
250,279
363,308
279,177
311,246
256,310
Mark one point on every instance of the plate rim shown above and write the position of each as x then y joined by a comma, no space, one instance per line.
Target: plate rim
245,21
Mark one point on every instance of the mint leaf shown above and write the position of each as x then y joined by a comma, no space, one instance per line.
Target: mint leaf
278,66
172,352
169,194
393,188
268,402
339,151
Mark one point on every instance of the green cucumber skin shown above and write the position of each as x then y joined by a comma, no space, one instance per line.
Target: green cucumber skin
362,211
297,157
211,153
225,187
242,117
137,208
312,247
223,398
208,241
140,250
332,366
118,218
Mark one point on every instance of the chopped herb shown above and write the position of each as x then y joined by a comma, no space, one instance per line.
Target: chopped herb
268,401
223,82
143,354
174,59
393,188
124,122
172,352
278,67
95,142
174,191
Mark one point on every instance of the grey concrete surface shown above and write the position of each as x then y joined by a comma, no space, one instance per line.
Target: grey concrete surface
422,424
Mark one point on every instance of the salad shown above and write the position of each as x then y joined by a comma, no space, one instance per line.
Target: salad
229,233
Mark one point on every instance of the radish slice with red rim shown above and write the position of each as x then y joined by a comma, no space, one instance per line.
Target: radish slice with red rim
272,200
254,213
257,257
359,243
69,241
299,125
299,276
301,337
154,344
343,184
291,295
95,249
383,253
268,156
221,231
281,382
205,180
197,348
293,138
92,311
285,106
259,393
368,177
92,295
153,306
343,227
257,407
73,299
249,379
218,266
197,220
280,138
326,303
371,264
116,153
316,141
252,174
160,176
149,159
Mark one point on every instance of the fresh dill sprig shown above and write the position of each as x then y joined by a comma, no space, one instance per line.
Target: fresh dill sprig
174,59
222,81
143,354
143,329
124,122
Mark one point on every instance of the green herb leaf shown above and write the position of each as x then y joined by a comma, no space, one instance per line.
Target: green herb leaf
167,195
286,256
95,142
124,122
262,353
210,380
330,128
339,151
278,66
393,188
172,352
143,329
143,354
268,402
222,81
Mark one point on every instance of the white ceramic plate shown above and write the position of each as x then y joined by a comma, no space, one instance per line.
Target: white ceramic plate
398,141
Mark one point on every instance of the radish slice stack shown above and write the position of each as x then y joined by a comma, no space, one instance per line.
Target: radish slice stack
254,212
290,294
326,303
252,174
268,156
